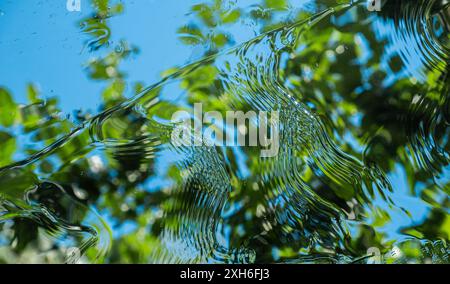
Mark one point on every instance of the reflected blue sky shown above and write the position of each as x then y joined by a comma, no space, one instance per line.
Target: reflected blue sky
41,43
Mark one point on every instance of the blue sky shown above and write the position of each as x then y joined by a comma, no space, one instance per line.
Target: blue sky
40,42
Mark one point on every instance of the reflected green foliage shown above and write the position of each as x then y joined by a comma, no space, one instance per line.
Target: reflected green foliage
385,119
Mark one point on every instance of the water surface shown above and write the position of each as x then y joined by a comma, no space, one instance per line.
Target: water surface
88,171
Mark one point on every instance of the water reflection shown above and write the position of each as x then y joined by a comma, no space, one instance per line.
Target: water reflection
361,175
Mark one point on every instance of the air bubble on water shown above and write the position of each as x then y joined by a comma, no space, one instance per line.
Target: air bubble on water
340,49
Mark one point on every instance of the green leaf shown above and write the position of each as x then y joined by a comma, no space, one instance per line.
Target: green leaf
8,146
32,93
190,35
8,108
231,17
276,4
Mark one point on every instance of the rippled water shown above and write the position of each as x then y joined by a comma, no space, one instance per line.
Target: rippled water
362,174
